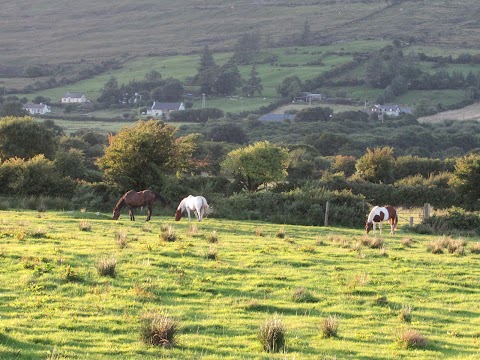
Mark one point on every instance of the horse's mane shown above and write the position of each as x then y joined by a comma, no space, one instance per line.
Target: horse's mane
120,204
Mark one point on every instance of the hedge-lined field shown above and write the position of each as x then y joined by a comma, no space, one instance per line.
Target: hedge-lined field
221,280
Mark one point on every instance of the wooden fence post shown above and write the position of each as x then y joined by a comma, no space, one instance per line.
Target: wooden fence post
426,210
327,208
410,221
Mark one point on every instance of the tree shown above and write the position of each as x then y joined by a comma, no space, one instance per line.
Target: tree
290,87
173,90
230,133
207,72
377,165
253,84
25,138
466,176
228,79
314,114
12,108
377,74
139,156
257,164
111,93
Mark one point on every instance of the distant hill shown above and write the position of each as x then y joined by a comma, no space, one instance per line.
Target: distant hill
55,31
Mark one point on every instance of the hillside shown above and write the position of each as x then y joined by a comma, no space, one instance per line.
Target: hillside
54,31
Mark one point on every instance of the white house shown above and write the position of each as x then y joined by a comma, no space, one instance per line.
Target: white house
390,109
73,97
37,109
158,109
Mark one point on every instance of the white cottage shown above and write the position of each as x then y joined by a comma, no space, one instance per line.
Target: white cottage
37,109
158,109
74,97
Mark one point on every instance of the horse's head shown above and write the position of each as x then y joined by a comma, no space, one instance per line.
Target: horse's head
368,227
178,214
116,213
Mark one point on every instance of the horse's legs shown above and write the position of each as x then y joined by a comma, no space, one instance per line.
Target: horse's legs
380,226
130,212
392,228
188,212
149,212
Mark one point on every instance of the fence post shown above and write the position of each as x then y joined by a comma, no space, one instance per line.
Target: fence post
410,221
327,208
426,210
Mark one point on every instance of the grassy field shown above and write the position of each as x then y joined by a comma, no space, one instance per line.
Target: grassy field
221,280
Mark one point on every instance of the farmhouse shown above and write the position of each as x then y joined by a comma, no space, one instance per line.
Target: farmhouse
308,97
74,97
37,109
390,109
158,109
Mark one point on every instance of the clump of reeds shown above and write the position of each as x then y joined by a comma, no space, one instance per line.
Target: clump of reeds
329,326
411,339
158,328
302,295
405,313
106,266
85,226
121,238
213,237
272,335
168,234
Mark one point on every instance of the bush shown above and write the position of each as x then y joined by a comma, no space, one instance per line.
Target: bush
158,328
456,221
302,295
272,335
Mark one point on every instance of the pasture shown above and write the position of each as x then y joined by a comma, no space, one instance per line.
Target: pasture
221,280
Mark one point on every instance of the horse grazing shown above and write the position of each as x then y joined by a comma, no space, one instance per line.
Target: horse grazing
133,199
197,204
380,214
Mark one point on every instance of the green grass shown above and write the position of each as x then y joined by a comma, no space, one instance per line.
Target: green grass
52,296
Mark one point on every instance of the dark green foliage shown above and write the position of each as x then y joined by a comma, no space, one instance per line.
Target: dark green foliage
456,221
25,138
196,115
230,133
314,114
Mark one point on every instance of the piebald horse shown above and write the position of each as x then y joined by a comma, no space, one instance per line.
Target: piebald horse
380,214
197,204
133,199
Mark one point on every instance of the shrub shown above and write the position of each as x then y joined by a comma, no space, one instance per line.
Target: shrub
411,339
407,242
281,233
302,295
211,253
272,335
329,327
259,232
158,328
106,266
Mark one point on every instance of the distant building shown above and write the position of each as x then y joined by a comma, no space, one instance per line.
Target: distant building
390,109
308,97
74,97
276,117
37,109
158,108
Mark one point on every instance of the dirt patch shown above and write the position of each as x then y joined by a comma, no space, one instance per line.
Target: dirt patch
471,112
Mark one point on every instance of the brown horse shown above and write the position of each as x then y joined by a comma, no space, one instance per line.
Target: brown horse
133,199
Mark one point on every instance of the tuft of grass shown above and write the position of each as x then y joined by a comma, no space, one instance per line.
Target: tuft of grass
405,313
457,246
70,275
168,234
475,248
213,237
259,232
329,327
272,335
411,339
302,295
158,328
281,234
85,226
381,300
192,229
106,266
121,238
55,355
147,228
38,233
435,246
212,253
407,242
319,241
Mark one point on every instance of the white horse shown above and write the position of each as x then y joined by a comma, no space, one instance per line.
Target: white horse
197,204
380,214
